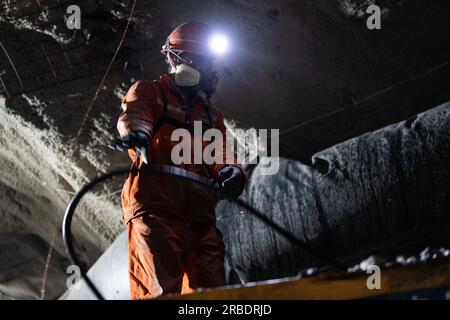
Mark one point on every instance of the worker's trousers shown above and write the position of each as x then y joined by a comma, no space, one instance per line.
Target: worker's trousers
162,250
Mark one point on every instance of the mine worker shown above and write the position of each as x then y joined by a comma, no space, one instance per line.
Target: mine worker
172,224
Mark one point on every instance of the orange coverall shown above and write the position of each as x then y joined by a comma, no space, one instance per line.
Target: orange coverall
171,223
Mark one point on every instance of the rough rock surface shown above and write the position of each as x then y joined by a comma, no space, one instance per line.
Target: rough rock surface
273,78
23,265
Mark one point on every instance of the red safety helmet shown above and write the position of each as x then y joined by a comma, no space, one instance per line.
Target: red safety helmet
191,37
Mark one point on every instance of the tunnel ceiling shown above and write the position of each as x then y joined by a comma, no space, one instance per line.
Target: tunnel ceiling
310,68
292,62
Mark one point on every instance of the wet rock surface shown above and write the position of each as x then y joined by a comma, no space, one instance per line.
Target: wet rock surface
273,78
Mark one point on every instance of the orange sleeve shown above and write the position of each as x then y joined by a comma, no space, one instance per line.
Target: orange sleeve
229,157
140,109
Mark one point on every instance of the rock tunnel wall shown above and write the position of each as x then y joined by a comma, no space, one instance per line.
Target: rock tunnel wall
273,78
23,261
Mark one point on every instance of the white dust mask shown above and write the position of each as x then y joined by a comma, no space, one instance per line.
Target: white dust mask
186,76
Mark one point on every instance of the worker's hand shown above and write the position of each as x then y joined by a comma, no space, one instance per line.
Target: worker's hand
139,142
230,181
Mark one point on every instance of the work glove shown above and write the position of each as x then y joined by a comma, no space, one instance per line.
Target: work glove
135,140
230,181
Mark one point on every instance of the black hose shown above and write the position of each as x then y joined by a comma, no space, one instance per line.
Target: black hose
185,175
67,225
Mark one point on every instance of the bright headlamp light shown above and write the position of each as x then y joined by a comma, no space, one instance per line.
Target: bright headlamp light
219,44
